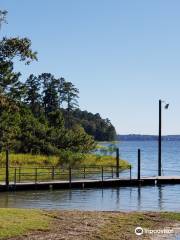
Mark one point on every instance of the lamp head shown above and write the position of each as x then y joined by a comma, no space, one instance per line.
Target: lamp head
166,106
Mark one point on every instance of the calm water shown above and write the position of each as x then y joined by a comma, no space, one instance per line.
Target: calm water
113,199
149,149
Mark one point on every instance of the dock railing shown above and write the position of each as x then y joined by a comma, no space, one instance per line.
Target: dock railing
22,174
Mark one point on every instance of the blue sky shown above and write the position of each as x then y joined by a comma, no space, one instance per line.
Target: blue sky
122,55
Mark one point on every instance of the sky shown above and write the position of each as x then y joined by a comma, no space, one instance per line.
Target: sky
123,55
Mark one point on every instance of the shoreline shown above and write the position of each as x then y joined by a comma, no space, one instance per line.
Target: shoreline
82,225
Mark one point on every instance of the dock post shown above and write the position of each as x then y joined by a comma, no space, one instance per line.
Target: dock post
70,177
130,172
35,175
19,174
117,162
139,164
102,174
7,168
53,173
84,172
15,176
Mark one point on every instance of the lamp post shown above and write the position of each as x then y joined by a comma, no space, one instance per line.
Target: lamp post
160,136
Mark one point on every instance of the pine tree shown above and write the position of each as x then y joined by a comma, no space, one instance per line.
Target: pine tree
33,96
50,92
70,96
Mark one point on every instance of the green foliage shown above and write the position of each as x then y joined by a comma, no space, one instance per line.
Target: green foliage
9,50
56,119
69,94
32,96
32,138
94,125
80,141
50,98
9,129
70,159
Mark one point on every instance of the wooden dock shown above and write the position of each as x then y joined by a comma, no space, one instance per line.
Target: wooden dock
90,183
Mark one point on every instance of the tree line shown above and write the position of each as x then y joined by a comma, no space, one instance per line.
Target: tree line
41,114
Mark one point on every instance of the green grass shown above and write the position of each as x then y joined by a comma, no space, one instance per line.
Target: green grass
29,159
171,216
42,160
107,161
15,222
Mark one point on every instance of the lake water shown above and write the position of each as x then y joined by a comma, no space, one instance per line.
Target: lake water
110,199
154,198
149,156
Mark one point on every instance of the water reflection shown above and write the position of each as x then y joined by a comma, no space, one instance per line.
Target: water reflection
139,198
160,198
117,196
151,198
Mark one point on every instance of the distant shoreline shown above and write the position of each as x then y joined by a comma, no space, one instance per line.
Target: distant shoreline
138,137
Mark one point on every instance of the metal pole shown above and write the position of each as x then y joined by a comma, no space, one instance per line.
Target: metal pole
139,164
117,162
160,138
7,168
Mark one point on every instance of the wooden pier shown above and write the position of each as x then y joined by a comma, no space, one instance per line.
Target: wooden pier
90,183
45,178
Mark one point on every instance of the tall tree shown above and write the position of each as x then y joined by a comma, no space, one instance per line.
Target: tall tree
61,82
70,94
50,92
33,96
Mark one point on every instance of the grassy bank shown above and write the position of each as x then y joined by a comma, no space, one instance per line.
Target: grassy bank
28,166
42,160
16,222
35,224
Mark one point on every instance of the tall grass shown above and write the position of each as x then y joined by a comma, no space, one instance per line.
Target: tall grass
42,160
29,160
27,166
